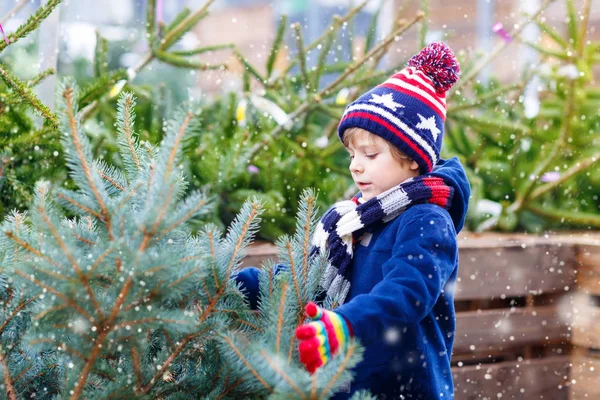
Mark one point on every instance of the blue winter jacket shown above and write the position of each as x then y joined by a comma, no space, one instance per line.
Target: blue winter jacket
400,303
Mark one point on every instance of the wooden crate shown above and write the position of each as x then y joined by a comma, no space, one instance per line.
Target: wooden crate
510,342
585,370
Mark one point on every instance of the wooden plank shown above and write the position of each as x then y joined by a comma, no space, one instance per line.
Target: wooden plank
585,378
588,268
494,266
509,270
543,378
497,330
585,325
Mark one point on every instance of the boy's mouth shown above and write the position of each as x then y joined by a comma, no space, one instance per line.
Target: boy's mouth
362,185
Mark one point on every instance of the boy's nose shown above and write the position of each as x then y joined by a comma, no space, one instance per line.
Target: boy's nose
356,166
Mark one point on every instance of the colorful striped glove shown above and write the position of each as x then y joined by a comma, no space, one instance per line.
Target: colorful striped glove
322,338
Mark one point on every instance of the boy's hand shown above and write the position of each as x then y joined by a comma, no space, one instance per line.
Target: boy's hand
322,338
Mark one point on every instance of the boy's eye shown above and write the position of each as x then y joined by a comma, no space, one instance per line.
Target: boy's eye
371,156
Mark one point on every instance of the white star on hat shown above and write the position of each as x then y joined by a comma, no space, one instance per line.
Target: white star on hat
385,99
429,123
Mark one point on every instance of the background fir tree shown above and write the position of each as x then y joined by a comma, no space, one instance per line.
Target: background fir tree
133,304
27,151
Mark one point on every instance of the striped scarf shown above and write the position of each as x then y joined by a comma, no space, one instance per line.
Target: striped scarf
336,229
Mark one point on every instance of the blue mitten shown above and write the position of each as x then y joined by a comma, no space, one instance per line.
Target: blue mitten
248,279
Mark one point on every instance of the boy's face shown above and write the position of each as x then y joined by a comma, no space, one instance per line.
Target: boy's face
374,168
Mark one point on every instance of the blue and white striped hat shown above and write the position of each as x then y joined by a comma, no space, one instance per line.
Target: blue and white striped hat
409,109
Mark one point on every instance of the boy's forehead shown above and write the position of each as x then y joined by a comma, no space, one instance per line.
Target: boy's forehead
363,139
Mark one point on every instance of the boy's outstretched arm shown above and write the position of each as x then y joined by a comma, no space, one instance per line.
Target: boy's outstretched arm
423,258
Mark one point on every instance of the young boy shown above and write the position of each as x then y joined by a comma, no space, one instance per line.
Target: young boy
393,255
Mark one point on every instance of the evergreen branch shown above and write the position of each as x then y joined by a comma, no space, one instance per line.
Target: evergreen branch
99,342
580,166
137,370
79,205
100,259
341,368
473,72
111,181
202,50
336,24
253,213
13,12
491,95
579,218
187,216
292,339
310,208
31,249
21,306
181,15
288,246
564,133
183,278
246,363
63,346
32,23
160,371
182,62
307,104
175,145
8,382
140,321
50,289
50,310
301,54
100,56
276,45
583,28
348,16
27,94
185,25
284,288
249,67
40,77
82,277
229,387
149,234
553,34
151,21
424,23
87,171
282,373
211,241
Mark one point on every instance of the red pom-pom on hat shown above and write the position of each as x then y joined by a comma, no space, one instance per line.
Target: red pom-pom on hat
439,63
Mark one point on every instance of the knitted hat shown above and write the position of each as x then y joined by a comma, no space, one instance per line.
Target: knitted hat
409,109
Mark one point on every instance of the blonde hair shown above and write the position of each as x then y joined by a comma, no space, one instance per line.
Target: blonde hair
398,155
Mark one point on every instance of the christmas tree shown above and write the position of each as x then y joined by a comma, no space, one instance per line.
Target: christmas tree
122,300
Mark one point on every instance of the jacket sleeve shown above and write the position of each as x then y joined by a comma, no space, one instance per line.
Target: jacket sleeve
424,255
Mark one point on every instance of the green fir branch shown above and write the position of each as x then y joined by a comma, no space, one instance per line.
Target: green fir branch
301,55
574,217
26,93
100,56
182,62
151,21
31,24
276,45
201,50
40,77
184,26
